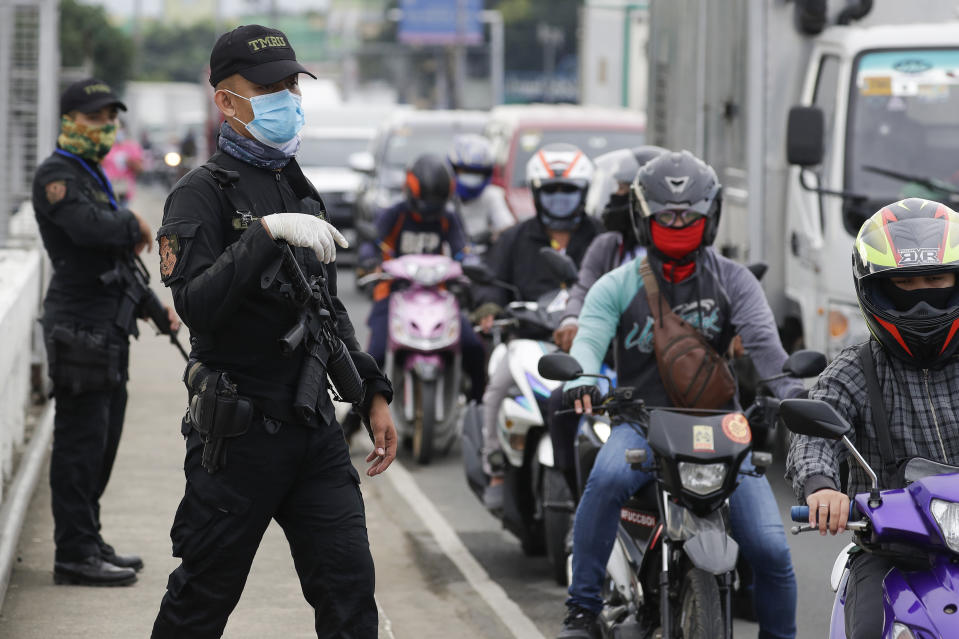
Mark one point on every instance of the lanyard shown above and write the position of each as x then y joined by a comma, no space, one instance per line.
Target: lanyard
104,182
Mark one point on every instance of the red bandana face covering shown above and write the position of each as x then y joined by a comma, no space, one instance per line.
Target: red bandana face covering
677,244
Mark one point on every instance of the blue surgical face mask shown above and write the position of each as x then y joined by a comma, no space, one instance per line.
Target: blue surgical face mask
560,204
277,117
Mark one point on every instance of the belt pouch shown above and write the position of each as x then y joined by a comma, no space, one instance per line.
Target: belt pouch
83,360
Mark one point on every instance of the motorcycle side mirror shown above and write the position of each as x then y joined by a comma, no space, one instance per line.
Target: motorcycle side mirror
478,272
561,266
813,418
362,162
559,367
366,231
805,363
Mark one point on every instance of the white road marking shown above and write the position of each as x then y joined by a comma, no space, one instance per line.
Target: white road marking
449,542
386,626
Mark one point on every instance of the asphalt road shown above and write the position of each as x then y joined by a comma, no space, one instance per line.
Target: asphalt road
526,580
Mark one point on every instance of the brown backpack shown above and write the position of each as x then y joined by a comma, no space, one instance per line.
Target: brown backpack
694,374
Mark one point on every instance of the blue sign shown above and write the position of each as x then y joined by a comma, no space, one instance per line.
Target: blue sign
442,22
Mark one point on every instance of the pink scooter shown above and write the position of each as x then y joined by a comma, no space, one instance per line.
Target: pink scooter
423,350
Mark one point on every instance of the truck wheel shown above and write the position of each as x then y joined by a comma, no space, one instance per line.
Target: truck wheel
700,614
424,396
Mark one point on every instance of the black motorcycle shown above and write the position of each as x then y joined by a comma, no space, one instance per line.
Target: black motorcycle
672,570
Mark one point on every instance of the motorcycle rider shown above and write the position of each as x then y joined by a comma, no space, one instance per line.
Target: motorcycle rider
558,176
908,296
615,172
481,205
675,209
421,223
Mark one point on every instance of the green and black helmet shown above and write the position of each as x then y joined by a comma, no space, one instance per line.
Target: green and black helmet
909,238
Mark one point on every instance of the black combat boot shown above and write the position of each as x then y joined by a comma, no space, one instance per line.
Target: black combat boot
107,553
92,571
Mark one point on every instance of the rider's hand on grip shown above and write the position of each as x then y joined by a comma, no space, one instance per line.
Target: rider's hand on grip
308,231
563,336
828,510
582,398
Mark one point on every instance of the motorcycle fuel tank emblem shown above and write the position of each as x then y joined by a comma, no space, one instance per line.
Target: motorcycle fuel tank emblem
736,428
703,439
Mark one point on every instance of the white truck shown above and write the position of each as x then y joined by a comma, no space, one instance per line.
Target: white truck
870,92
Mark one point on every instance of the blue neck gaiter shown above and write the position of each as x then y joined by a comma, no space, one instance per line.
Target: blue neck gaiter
253,152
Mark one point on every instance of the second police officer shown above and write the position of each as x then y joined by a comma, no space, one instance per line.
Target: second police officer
255,451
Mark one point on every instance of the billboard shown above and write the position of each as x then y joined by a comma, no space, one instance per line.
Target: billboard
440,22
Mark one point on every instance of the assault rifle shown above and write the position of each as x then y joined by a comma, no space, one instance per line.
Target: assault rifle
139,300
326,354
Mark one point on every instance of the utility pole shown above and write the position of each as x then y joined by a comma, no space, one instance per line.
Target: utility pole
496,53
459,57
551,39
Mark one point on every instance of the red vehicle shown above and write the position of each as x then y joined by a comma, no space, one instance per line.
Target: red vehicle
517,131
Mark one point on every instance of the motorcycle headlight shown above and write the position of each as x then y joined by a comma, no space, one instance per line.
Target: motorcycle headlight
946,514
900,631
702,479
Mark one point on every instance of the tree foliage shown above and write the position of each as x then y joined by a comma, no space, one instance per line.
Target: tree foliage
87,36
176,53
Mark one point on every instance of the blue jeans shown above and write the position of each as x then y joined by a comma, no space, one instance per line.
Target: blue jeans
754,519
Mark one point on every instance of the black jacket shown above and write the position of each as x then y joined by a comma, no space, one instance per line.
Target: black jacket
82,234
514,258
214,272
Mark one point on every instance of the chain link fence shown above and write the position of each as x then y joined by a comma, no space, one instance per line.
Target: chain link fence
29,63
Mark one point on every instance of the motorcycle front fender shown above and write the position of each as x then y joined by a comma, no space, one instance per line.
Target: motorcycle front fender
712,551
426,367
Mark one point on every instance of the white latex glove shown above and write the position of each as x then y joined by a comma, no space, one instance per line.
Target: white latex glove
308,231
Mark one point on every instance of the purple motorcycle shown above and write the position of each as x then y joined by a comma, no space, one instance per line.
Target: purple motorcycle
423,351
917,527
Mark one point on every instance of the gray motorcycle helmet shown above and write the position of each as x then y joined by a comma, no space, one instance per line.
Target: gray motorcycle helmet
616,168
671,181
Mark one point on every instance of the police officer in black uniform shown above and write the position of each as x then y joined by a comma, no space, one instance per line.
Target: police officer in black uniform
85,232
254,452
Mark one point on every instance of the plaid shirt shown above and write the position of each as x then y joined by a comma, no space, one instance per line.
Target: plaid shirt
922,415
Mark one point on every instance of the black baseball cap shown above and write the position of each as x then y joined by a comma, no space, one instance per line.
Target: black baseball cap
260,54
87,96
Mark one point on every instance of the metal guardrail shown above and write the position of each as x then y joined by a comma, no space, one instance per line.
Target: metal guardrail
29,72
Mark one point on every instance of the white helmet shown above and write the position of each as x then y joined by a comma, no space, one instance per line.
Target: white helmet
558,176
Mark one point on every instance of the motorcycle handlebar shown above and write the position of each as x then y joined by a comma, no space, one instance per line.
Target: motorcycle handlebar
800,514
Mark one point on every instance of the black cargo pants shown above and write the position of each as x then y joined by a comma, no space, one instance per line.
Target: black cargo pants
302,478
86,433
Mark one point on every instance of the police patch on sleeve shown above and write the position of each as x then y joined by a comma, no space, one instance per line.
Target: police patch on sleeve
55,191
169,251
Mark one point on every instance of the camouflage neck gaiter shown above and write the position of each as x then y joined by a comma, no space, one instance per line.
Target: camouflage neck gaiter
89,142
